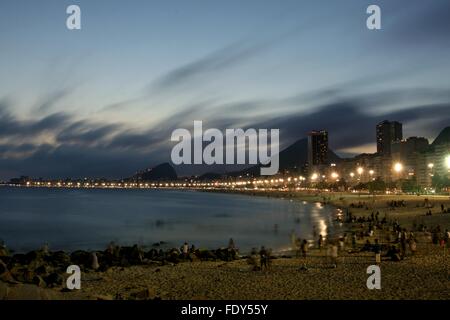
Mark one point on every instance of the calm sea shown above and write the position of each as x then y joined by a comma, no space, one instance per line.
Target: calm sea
71,219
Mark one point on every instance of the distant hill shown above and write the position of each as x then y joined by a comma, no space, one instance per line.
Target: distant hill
293,157
161,172
443,137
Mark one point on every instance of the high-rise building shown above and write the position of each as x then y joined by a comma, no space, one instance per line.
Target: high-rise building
387,133
317,148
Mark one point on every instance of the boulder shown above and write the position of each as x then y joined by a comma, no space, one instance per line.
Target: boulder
207,255
18,272
19,258
28,275
145,294
152,254
193,257
134,254
54,280
3,267
35,255
4,252
42,270
37,280
58,259
94,261
81,258
5,274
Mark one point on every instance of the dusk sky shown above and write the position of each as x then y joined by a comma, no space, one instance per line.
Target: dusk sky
103,101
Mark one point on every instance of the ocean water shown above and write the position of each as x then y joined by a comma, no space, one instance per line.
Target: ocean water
72,219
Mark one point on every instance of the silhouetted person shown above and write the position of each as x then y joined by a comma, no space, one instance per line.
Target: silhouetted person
320,241
377,251
263,257
185,250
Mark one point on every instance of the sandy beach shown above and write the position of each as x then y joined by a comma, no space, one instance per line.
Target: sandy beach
420,277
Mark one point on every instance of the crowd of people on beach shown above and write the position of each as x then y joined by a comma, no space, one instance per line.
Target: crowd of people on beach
386,239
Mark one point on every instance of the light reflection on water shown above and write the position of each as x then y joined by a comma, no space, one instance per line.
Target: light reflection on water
90,219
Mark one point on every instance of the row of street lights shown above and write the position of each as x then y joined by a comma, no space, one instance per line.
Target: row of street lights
335,175
398,168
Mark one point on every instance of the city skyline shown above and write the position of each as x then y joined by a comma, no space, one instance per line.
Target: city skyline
102,101
317,159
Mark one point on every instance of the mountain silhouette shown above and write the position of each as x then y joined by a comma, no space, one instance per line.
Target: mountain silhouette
443,137
163,171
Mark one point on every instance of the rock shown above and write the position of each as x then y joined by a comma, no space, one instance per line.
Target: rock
42,270
18,272
35,255
145,294
103,297
124,263
5,275
3,267
151,254
4,252
81,258
94,262
54,280
19,259
134,255
207,255
37,280
28,276
193,257
58,259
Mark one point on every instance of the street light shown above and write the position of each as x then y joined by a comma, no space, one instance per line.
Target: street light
371,172
360,170
398,167
334,175
352,174
447,162
314,176
431,165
